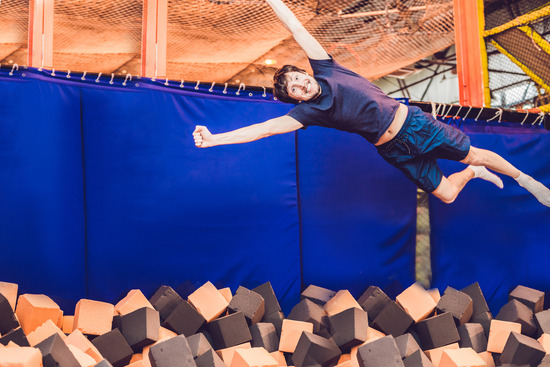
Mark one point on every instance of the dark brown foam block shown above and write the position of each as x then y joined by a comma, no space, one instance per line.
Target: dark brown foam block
250,303
349,328
479,303
392,320
271,303
417,359
373,300
484,319
184,319
56,353
276,318
114,348
8,322
103,363
545,362
380,352
308,311
458,303
17,336
140,328
264,335
406,344
209,359
199,344
521,350
543,321
228,331
437,331
314,350
472,336
515,311
172,352
165,300
532,298
318,295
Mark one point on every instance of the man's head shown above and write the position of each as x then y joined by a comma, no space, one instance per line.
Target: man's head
292,85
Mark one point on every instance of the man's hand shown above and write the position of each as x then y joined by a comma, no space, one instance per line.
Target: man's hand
203,137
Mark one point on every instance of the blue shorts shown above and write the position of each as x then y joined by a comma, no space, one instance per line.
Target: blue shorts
420,143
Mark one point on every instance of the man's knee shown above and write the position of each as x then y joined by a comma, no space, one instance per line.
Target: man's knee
475,157
446,192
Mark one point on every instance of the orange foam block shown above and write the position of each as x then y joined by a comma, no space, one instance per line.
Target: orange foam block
488,358
291,332
462,357
21,357
44,331
209,301
544,341
341,301
93,317
253,357
499,333
82,358
226,354
417,302
78,339
435,354
226,293
68,322
280,357
134,300
434,293
9,290
33,310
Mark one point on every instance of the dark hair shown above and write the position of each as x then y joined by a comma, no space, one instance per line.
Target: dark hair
280,83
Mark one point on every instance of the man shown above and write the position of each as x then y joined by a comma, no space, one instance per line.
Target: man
406,137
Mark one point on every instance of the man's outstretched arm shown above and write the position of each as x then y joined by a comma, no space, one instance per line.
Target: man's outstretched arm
279,125
307,42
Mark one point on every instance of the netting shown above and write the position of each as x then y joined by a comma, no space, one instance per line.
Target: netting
517,35
230,40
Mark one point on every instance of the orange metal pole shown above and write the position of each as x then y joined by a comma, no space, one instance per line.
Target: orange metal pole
47,50
468,53
154,30
36,19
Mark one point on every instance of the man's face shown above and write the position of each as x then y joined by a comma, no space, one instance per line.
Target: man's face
301,87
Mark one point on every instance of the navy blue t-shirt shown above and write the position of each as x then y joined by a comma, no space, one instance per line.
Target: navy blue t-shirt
348,102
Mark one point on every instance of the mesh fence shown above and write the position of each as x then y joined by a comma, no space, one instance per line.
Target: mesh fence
518,53
230,40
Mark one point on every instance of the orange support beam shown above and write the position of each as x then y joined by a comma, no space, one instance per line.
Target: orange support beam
41,33
469,54
154,34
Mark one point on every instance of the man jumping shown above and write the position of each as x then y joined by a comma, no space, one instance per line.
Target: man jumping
406,137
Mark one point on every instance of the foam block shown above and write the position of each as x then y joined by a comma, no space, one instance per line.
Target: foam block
21,357
17,336
140,327
530,297
9,290
291,332
499,333
515,311
229,331
250,303
279,357
458,303
68,324
544,341
462,357
184,319
165,300
349,328
341,301
417,359
392,320
198,344
434,293
114,348
380,352
476,294
543,321
56,353
134,300
407,345
93,317
83,359
276,318
253,357
270,299
43,332
487,358
226,354
416,301
437,331
172,352
8,322
33,310
226,293
472,336
545,362
78,339
164,333
521,350
435,354
264,335
104,363
208,301
308,311
318,295
209,359
314,350
373,300
484,319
